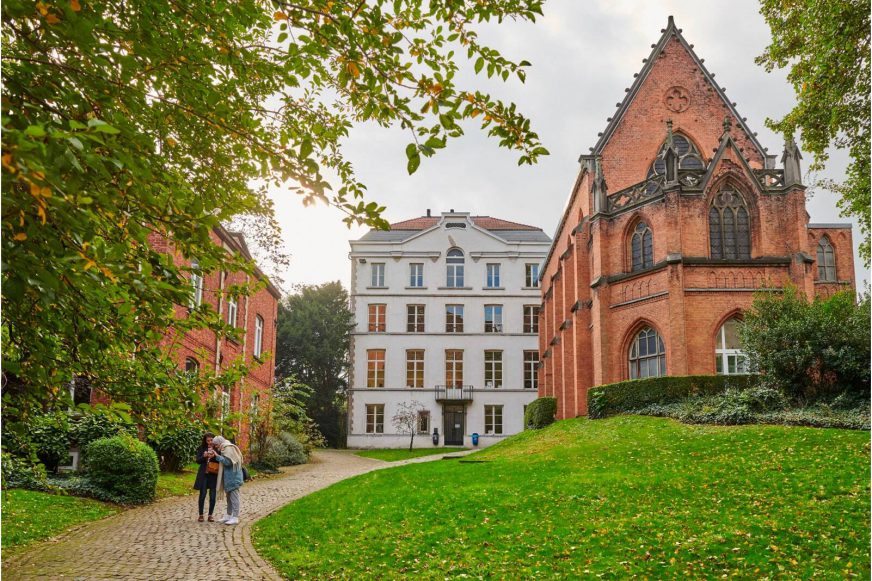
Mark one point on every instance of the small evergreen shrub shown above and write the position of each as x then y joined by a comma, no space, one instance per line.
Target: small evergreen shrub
21,472
540,413
122,469
297,453
177,447
635,394
50,439
283,449
92,427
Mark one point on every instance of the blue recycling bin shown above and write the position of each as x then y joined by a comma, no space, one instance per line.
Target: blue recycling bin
475,439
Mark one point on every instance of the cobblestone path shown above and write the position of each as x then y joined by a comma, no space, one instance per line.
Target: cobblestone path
164,541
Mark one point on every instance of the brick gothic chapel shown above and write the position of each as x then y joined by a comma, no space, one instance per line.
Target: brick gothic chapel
677,217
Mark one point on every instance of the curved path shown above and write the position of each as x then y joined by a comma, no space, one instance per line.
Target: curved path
164,541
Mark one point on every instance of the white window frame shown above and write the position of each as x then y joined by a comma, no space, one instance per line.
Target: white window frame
531,319
493,369
493,318
376,379
531,369
415,318
454,369
232,310
377,275
375,418
416,275
196,285
414,368
451,314
258,336
732,361
531,275
638,363
377,315
493,420
424,422
493,275
454,269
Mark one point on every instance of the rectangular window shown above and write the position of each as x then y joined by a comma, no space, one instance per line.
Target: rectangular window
424,422
415,368
258,335
493,419
378,274
375,418
531,275
415,318
225,403
375,368
232,309
454,318
493,275
493,369
377,314
531,319
416,275
493,318
454,368
531,369
197,285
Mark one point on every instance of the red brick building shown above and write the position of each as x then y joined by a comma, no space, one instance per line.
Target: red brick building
204,352
677,217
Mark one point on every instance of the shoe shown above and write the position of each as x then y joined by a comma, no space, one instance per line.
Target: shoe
224,518
200,518
211,518
232,521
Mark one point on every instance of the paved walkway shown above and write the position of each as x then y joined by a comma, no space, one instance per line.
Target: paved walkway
164,541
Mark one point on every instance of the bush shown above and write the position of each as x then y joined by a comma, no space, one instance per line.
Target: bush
635,394
810,349
21,472
50,438
176,448
297,453
281,450
123,469
91,427
540,413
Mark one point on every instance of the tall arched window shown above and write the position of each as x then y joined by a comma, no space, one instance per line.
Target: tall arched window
826,260
729,227
196,285
192,366
641,248
647,357
729,357
454,268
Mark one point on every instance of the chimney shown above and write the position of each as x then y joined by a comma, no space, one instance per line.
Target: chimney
428,212
452,210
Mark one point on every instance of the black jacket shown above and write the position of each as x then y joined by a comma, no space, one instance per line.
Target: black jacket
209,480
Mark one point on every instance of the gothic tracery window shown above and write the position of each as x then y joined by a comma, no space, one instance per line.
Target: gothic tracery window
641,248
688,157
826,260
647,356
729,226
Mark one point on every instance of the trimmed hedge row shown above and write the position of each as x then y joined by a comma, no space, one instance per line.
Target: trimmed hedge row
632,395
540,413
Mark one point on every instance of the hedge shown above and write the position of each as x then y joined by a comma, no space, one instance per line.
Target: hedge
632,395
540,413
122,470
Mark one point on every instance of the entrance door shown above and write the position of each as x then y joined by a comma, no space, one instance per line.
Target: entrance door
454,419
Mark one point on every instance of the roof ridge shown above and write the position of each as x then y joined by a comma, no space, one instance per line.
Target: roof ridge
667,33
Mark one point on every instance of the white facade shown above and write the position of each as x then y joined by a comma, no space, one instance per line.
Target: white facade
410,267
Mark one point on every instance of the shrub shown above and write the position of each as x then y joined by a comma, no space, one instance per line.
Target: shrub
176,447
297,453
123,469
635,394
810,349
91,427
540,413
50,438
283,449
21,472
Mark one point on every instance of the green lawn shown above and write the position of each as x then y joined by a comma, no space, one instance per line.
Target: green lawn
404,454
177,483
32,516
626,496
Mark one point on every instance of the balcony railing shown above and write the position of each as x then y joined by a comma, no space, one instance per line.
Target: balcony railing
448,393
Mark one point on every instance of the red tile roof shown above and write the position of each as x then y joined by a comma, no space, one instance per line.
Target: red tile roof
485,222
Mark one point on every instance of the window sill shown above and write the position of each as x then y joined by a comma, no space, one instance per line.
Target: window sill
416,288
454,288
493,288
531,287
377,288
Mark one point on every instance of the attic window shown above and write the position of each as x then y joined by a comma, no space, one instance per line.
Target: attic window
455,225
688,157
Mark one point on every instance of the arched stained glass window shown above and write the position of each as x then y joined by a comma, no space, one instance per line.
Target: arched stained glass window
826,260
729,226
688,157
647,357
641,248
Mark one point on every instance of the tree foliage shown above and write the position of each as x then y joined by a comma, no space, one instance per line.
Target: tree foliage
405,420
312,347
127,123
826,45
808,348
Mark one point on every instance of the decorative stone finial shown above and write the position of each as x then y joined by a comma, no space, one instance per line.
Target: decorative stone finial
790,160
670,155
600,191
728,124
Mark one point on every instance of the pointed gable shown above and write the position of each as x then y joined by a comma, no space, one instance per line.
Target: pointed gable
672,85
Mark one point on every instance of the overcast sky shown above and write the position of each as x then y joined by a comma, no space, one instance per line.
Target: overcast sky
583,54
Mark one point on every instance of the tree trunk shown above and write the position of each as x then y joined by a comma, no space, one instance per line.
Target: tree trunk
412,441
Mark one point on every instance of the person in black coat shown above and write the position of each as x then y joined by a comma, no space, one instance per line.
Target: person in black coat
206,481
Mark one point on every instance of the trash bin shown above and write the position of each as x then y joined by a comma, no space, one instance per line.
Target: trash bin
435,436
475,439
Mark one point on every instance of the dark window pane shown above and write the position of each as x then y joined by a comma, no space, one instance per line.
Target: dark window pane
743,241
729,248
715,233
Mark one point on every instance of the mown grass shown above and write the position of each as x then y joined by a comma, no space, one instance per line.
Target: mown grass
30,516
404,454
177,483
626,496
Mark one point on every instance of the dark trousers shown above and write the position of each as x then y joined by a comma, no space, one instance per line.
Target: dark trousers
212,494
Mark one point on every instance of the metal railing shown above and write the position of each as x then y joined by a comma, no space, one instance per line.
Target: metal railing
454,392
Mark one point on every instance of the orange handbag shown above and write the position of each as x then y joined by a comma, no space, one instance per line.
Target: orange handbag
211,467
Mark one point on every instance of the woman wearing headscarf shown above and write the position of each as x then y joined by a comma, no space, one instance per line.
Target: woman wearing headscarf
229,477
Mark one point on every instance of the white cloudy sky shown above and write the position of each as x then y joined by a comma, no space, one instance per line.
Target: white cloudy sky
584,53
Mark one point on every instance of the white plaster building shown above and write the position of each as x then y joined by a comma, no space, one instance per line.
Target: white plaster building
446,311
